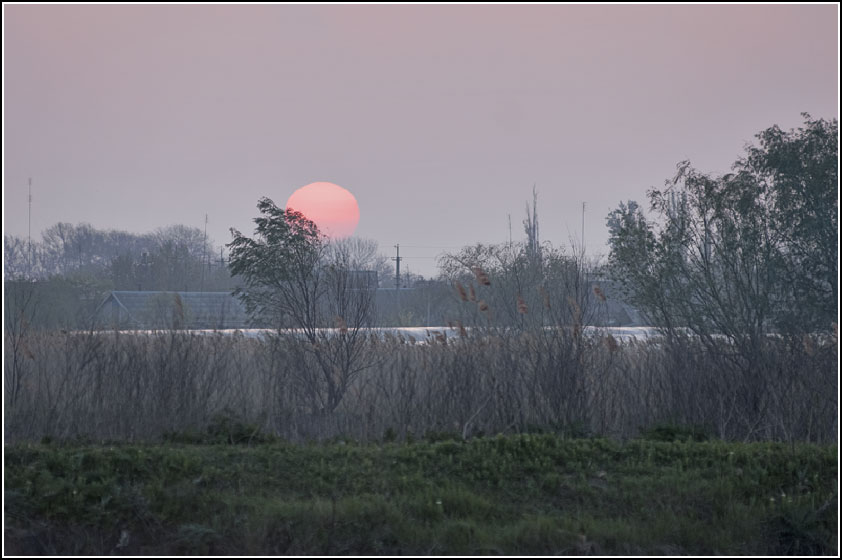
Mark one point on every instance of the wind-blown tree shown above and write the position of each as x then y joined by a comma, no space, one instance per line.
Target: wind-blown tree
282,281
293,277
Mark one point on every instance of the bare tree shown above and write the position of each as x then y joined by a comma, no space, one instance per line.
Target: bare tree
20,306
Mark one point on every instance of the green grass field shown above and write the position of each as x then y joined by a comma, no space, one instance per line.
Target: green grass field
527,494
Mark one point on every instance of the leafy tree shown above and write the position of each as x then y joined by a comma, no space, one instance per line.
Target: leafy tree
293,277
744,253
799,169
279,267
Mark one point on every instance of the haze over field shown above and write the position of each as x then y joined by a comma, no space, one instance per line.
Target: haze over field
439,119
211,295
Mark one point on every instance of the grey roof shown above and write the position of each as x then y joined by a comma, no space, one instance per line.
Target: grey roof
192,310
621,313
361,279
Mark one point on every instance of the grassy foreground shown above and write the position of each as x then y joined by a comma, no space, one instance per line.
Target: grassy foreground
527,494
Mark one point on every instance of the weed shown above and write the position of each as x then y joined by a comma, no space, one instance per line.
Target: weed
676,432
532,494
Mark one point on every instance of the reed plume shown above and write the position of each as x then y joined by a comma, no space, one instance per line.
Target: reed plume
481,276
521,305
461,289
544,296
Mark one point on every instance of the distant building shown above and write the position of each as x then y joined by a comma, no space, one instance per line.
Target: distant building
168,310
362,279
616,311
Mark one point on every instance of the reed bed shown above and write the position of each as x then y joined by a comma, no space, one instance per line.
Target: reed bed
110,386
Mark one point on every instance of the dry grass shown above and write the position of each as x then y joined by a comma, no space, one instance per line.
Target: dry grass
140,387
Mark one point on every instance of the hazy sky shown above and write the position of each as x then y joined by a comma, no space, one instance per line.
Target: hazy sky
438,118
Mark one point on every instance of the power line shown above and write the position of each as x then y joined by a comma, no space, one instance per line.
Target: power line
433,246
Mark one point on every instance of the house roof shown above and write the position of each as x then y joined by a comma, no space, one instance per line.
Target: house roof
196,310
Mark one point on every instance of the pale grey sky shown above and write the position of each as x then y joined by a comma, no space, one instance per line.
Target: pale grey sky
438,118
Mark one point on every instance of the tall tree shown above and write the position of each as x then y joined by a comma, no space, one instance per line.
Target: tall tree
743,253
800,171
530,226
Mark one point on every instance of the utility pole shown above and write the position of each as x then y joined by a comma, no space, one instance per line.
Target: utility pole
29,235
222,266
205,261
397,259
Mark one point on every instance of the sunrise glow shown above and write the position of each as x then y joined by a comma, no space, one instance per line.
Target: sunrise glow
331,207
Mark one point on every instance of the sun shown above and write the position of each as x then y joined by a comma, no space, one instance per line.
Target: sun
331,207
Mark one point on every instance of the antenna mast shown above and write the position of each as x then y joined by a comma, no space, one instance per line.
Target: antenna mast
29,234
583,226
397,260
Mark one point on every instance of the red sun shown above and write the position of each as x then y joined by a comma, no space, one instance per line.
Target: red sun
333,208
